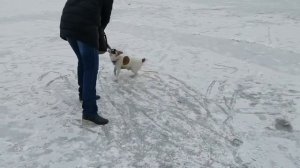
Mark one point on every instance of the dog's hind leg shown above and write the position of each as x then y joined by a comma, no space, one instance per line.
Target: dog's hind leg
135,73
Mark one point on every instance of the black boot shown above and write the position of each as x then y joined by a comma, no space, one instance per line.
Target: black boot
95,119
97,97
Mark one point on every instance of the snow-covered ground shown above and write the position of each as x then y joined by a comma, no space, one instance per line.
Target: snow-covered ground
220,88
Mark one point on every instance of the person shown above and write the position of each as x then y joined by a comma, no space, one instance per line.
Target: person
82,24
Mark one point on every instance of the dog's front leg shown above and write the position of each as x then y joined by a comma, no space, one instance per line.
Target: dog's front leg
117,71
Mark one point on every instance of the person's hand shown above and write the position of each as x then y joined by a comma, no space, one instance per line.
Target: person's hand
102,41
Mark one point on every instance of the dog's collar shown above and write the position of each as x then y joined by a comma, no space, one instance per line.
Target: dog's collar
114,62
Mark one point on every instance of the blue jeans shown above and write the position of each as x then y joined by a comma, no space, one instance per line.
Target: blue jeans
87,71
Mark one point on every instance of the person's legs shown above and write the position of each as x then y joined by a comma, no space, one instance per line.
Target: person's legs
90,60
74,45
88,63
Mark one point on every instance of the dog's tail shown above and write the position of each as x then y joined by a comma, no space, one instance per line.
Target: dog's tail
143,60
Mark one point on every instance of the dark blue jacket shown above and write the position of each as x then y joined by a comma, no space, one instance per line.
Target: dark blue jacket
84,19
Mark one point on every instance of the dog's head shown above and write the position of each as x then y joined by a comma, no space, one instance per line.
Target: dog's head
114,55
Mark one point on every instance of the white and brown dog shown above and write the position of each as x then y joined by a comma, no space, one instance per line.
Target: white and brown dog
124,62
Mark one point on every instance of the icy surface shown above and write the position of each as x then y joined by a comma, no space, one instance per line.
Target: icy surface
220,88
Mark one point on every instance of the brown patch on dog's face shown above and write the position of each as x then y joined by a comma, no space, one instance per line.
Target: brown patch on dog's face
126,60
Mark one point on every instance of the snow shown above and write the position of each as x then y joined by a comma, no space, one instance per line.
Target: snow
218,77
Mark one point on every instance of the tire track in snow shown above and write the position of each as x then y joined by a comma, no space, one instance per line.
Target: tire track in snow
158,105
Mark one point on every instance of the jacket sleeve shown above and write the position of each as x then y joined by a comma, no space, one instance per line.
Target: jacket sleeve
106,12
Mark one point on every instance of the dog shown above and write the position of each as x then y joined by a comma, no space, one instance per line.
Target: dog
121,61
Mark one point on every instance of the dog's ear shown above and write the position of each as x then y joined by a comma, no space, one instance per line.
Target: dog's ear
126,60
119,52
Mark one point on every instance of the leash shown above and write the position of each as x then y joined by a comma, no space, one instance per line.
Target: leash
108,46
110,50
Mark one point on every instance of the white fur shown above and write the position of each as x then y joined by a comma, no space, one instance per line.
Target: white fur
134,64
